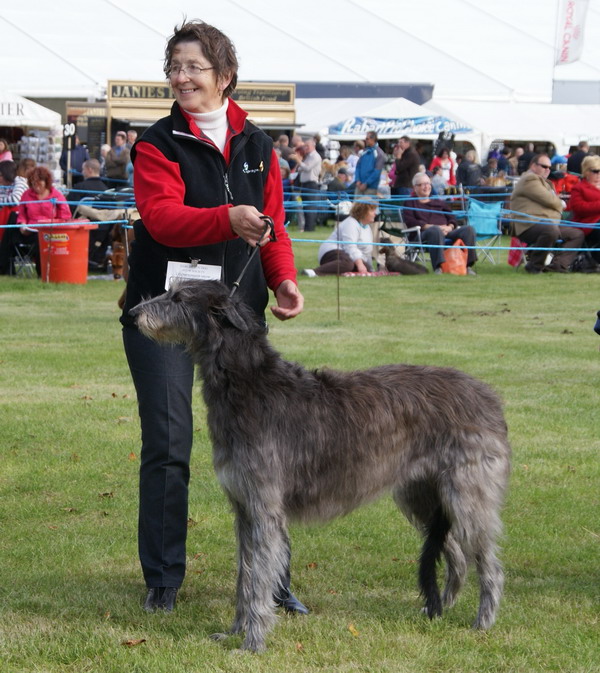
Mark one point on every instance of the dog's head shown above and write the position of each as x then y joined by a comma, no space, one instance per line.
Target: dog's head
189,310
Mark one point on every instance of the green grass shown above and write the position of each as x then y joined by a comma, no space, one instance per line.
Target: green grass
70,587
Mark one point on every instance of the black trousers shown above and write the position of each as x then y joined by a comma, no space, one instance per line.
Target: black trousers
163,376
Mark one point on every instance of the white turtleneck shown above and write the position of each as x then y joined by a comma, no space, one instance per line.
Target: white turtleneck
214,124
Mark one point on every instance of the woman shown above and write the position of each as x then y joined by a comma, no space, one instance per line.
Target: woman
584,203
350,246
445,162
5,153
203,178
42,202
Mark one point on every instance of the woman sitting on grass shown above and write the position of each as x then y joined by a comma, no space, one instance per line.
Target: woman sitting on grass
350,245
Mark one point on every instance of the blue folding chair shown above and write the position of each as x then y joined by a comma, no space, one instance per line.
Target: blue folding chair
485,219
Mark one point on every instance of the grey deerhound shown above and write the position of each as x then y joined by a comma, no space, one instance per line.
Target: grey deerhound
292,444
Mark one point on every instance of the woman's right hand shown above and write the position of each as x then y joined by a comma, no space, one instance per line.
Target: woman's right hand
246,223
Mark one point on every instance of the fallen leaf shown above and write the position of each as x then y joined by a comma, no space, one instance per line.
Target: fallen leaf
132,456
107,615
299,647
353,630
51,527
331,591
312,565
114,395
191,523
106,494
133,642
87,397
69,509
75,457
124,419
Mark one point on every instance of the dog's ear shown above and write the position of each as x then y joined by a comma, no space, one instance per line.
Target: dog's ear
230,312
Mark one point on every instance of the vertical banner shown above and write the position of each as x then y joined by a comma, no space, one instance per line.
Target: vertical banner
569,30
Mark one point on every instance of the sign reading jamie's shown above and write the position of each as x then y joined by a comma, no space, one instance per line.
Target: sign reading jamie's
127,91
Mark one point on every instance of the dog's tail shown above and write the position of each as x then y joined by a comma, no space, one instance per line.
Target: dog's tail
436,532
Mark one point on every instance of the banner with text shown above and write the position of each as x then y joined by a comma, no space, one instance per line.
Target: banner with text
394,128
569,30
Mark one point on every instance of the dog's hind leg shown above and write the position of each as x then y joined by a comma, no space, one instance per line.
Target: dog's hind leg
456,570
436,532
491,583
268,563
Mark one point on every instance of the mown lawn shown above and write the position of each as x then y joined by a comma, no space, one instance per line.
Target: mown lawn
71,587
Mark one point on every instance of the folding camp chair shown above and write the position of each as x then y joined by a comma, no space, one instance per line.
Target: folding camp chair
485,219
407,239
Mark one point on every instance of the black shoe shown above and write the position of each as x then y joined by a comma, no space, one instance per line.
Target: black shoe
532,269
160,598
291,604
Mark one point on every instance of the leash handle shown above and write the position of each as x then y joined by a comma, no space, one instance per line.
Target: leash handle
269,224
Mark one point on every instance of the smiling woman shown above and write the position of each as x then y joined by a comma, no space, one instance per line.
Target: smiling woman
204,179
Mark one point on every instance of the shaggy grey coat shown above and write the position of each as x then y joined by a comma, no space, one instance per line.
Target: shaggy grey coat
292,444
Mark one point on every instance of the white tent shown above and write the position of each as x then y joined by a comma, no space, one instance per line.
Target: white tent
16,111
561,125
483,51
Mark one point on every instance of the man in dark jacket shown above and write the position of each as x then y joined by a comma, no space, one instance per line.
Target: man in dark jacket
89,186
79,154
407,166
574,162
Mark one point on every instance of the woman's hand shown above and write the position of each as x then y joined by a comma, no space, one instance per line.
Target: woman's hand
290,301
246,223
360,266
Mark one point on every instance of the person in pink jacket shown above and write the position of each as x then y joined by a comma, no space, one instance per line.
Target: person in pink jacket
40,203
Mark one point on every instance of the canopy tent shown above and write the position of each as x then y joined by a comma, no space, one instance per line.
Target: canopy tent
390,118
16,111
561,125
483,51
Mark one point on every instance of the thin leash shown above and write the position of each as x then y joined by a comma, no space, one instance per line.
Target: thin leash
269,224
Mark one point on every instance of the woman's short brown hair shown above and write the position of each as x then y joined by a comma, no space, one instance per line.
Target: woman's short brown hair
216,47
361,208
40,174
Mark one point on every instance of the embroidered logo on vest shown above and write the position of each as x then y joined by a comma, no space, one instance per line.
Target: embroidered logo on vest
260,168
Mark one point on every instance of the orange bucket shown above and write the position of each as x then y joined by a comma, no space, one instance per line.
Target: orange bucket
64,251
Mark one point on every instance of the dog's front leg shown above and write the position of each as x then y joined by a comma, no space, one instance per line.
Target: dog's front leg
243,530
269,554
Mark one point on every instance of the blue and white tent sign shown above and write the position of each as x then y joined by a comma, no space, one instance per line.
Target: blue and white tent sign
393,128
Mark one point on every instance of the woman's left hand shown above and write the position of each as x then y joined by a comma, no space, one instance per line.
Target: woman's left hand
290,301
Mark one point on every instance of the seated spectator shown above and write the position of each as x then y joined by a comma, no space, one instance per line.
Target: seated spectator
350,245
445,162
89,186
538,211
584,203
437,223
8,173
341,182
42,201
438,183
469,172
12,177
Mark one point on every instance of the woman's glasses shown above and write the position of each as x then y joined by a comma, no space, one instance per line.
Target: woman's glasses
594,170
191,70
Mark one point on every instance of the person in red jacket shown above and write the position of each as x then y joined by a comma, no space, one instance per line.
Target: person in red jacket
204,177
444,160
584,204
